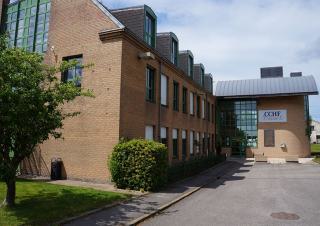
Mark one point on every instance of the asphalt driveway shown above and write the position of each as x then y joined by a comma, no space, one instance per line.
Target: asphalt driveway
259,194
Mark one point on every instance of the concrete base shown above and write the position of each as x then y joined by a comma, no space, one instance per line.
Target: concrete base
305,160
276,160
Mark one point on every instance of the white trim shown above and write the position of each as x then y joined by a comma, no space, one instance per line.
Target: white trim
108,14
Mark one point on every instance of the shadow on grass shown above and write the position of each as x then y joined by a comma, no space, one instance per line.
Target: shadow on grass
40,203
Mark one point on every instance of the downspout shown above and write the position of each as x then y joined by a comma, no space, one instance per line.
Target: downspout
159,100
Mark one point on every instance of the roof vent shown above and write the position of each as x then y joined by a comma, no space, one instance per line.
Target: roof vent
295,74
271,72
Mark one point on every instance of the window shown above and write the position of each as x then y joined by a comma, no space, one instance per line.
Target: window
198,106
191,104
184,99
208,142
150,30
175,96
27,23
164,90
202,77
150,87
149,133
184,143
190,66
197,142
203,143
163,136
73,74
191,142
175,143
203,109
238,119
269,140
312,128
174,52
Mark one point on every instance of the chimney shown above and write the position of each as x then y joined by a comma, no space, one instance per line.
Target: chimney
296,74
271,72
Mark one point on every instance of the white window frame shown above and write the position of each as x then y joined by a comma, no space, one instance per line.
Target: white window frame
164,90
191,103
149,132
203,108
163,133
191,143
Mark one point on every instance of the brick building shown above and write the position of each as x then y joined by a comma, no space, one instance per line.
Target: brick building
141,90
145,87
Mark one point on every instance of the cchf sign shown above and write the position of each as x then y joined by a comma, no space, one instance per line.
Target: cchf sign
273,116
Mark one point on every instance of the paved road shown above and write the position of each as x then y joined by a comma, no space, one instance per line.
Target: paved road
249,196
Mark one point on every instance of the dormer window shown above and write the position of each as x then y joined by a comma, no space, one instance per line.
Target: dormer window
190,66
150,30
202,76
174,52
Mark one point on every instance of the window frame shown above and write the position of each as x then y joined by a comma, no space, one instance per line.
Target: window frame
164,104
184,100
175,143
65,74
150,86
150,29
175,102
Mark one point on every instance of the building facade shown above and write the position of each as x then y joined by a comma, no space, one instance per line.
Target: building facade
315,132
146,87
140,89
265,118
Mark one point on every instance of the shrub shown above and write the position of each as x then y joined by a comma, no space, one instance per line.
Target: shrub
192,167
139,165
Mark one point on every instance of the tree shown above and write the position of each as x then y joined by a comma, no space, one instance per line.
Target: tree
31,99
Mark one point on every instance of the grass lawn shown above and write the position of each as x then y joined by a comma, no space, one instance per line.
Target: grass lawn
40,203
315,148
317,160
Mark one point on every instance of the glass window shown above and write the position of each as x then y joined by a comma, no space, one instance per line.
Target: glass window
184,99
150,30
175,148
197,142
32,14
198,107
163,136
164,90
269,139
149,133
191,142
191,100
190,66
175,96
174,52
150,85
73,74
203,109
184,143
238,121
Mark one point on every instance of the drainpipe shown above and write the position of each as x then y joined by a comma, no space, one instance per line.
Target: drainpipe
159,100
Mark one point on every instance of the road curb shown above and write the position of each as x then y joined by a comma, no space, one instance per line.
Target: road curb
178,199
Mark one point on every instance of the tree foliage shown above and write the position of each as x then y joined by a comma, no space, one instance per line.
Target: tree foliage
31,99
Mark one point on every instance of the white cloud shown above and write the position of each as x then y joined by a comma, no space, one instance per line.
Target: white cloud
234,38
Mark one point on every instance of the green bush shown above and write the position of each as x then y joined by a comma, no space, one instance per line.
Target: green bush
192,167
139,165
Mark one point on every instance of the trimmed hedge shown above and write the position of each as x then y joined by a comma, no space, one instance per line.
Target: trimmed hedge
139,165
192,167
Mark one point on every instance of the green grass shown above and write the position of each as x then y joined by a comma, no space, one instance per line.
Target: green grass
315,148
317,160
40,203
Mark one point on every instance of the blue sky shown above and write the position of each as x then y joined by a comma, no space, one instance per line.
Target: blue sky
234,38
